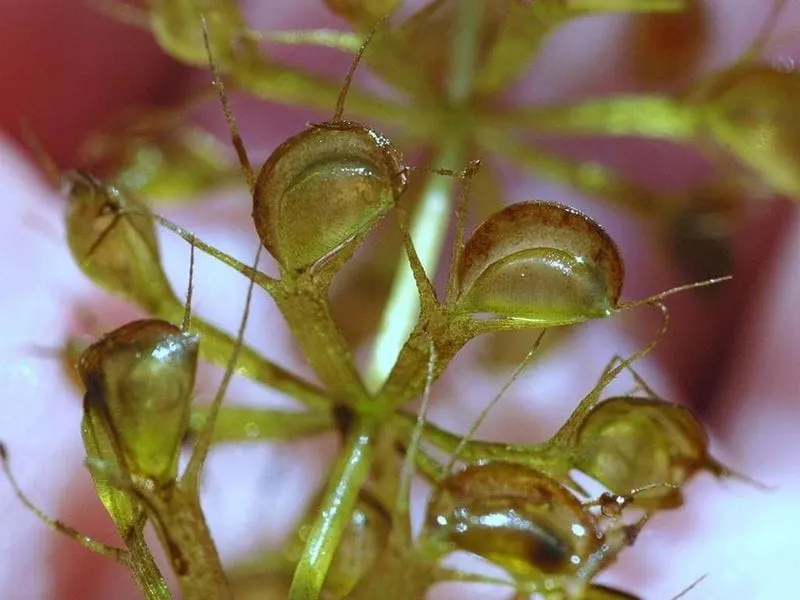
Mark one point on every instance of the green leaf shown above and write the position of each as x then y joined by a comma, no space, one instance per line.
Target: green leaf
113,241
657,117
751,112
140,377
540,262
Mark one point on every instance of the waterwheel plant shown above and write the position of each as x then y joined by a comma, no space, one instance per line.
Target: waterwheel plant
331,203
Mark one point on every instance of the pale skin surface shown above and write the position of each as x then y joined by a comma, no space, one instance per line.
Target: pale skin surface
744,539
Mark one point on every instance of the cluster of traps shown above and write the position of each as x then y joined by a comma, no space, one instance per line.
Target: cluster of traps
319,195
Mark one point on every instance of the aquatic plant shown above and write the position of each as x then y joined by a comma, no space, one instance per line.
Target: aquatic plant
318,203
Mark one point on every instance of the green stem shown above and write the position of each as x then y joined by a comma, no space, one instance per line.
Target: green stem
327,38
464,51
217,346
534,455
307,313
588,177
427,230
145,572
251,423
349,475
429,223
181,525
278,83
655,117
